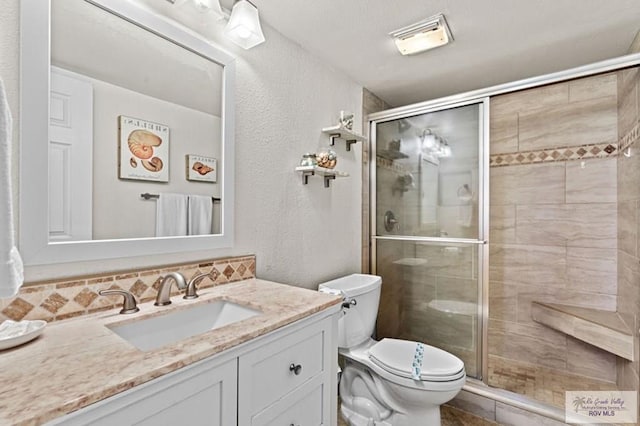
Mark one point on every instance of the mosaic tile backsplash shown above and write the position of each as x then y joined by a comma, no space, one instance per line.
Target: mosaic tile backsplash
58,300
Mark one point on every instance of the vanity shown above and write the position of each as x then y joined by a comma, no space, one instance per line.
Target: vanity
275,367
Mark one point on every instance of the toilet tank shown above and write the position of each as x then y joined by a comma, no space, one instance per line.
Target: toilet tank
357,323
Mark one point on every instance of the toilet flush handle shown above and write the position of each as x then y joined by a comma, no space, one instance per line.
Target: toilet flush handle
349,303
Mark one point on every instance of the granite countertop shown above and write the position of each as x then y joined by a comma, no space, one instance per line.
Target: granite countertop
79,361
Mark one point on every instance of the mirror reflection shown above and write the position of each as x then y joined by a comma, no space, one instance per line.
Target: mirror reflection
427,176
135,131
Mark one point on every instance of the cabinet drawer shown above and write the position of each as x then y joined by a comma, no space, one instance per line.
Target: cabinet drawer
302,408
269,372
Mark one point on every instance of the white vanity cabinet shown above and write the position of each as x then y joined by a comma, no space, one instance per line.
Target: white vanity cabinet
201,394
286,377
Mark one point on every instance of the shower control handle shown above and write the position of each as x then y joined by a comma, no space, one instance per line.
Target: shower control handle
295,369
349,303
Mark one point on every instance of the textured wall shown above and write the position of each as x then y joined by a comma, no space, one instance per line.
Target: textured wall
301,234
553,232
629,215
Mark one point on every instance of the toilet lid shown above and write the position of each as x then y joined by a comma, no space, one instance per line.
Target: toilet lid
397,357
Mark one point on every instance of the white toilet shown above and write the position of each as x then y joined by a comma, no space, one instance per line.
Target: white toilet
391,382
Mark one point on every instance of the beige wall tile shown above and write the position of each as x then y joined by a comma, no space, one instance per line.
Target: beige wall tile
528,294
628,227
574,225
598,86
628,285
629,174
522,184
592,181
575,124
503,301
502,224
592,269
475,404
457,289
528,264
503,133
512,416
534,330
589,361
627,375
526,349
627,100
531,99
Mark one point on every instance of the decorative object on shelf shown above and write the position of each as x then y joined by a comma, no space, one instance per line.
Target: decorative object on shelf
339,132
393,151
308,159
327,174
326,157
201,168
346,120
143,142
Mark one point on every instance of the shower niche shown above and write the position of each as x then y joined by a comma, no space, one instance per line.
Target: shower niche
429,170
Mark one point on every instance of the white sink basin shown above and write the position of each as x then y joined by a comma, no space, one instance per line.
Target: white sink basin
155,332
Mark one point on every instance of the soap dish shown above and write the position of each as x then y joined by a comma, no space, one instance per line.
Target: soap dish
12,335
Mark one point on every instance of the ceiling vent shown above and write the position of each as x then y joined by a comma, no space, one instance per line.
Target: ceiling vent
427,34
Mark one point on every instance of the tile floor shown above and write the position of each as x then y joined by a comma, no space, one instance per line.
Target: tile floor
450,417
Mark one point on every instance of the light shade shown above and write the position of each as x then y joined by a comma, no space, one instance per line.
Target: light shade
424,35
209,6
244,25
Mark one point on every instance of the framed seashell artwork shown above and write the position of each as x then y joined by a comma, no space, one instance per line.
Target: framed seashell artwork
202,169
143,150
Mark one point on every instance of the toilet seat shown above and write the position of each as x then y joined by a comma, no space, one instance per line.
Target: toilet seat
396,357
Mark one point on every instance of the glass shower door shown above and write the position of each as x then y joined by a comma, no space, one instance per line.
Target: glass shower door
428,220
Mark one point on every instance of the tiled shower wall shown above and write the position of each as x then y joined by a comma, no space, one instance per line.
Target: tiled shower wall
58,300
628,215
553,232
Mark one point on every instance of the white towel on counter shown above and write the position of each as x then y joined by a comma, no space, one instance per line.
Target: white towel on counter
171,215
200,215
11,268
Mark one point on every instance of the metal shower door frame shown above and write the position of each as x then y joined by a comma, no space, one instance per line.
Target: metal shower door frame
482,241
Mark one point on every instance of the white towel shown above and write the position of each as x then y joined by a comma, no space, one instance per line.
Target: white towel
200,215
11,269
171,215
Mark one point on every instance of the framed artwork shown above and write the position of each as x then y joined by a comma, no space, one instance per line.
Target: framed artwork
202,169
143,150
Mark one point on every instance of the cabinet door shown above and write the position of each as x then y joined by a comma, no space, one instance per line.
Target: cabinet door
304,407
277,369
202,394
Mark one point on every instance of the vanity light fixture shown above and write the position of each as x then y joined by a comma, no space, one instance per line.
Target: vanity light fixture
427,34
210,6
243,27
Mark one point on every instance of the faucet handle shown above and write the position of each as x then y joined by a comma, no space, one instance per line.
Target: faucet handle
129,304
190,292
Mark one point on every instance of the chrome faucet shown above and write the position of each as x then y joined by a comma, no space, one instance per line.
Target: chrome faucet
190,292
164,291
129,304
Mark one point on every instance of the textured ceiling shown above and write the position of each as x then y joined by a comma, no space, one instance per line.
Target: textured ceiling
496,41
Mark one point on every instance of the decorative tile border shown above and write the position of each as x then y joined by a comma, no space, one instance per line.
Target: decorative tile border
627,140
583,152
58,300
384,163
